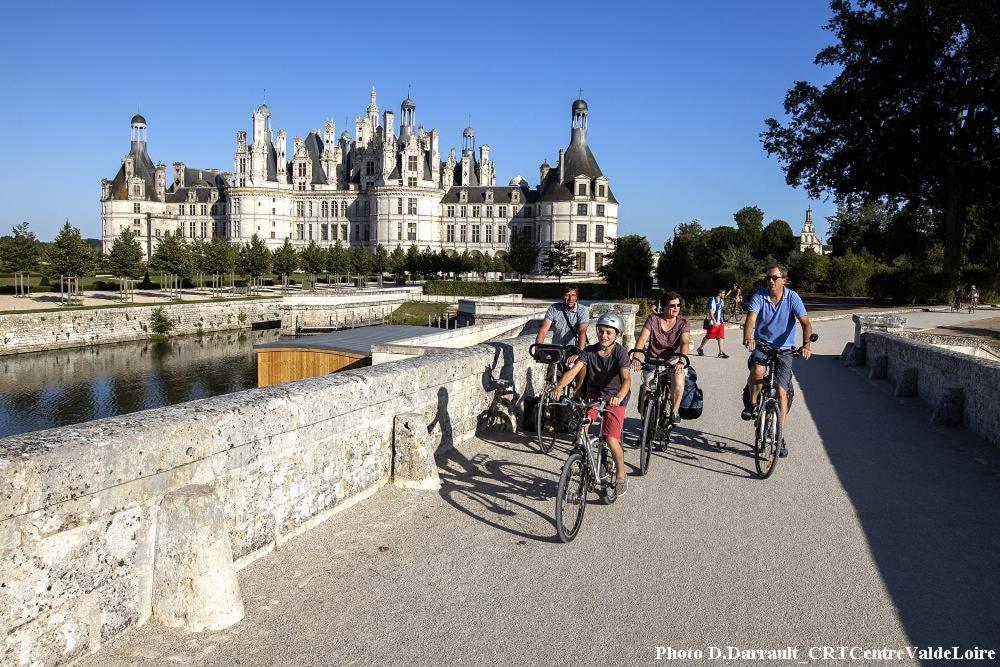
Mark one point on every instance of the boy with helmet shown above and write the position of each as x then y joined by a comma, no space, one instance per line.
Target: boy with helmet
609,378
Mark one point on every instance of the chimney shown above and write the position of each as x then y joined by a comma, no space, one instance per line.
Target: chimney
562,166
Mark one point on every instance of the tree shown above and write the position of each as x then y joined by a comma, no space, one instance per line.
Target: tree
361,260
630,264
777,240
171,255
254,258
21,251
560,260
219,257
313,259
677,266
911,116
750,225
807,271
523,254
848,275
412,262
856,227
381,263
397,260
125,259
338,260
741,267
285,261
69,255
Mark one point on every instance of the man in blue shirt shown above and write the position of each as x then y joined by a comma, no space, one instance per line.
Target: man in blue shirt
771,317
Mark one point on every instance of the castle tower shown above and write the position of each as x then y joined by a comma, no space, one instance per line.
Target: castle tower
138,130
407,119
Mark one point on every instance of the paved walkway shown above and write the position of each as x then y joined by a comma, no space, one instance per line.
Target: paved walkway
877,531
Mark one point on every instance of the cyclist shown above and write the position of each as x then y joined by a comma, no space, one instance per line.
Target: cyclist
567,319
956,298
667,333
609,378
973,297
771,318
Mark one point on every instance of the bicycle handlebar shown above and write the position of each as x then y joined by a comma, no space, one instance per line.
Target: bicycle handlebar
662,361
795,351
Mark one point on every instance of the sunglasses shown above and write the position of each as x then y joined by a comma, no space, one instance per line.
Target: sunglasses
673,305
774,277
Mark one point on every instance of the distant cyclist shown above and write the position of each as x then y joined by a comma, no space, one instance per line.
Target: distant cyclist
609,378
773,312
666,333
973,297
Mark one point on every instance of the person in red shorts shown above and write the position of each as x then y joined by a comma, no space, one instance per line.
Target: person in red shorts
715,325
609,378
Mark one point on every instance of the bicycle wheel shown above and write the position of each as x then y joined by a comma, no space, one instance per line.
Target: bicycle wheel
545,431
646,435
768,439
571,499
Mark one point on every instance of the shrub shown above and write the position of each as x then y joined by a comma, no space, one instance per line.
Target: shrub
160,323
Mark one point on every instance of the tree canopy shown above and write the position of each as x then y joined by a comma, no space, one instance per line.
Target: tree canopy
125,259
630,264
559,260
523,254
285,260
910,117
69,255
313,259
172,255
254,258
21,251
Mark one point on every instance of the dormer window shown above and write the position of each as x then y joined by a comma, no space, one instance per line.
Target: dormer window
489,196
463,196
581,189
411,163
515,196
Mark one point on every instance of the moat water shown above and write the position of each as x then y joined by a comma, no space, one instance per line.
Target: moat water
61,387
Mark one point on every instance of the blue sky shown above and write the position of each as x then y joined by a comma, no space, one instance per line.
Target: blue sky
678,91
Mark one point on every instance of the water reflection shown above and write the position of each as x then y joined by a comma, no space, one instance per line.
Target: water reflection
47,389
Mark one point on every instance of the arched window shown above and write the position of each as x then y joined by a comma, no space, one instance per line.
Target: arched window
343,209
326,210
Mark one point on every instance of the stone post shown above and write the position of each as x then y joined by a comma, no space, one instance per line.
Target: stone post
864,323
413,447
194,580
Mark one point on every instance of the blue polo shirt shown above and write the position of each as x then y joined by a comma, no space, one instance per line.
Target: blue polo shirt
776,324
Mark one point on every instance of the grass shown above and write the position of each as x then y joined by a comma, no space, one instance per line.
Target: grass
415,312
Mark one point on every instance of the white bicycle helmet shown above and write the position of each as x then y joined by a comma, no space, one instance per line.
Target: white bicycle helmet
611,320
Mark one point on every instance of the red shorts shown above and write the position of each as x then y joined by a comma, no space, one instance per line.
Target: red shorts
716,332
613,419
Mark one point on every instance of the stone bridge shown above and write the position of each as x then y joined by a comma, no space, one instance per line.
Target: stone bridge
879,530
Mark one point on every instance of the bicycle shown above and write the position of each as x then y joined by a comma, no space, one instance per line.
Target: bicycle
551,355
767,424
736,312
956,305
973,304
652,411
589,468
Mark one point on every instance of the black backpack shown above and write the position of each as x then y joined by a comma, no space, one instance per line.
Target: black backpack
693,400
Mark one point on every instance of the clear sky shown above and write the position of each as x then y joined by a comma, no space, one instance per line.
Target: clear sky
678,91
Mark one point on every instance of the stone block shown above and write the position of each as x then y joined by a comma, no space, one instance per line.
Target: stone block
414,444
864,323
950,409
906,385
879,368
847,354
194,583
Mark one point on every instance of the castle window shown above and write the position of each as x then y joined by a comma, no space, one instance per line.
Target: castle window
135,222
368,233
489,211
204,209
180,209
581,233
136,207
356,237
310,209
369,168
191,209
236,228
464,211
599,233
476,211
191,229
450,212
462,236
272,234
299,231
399,205
598,260
302,169
399,231
600,210
489,233
581,261
157,233
581,209
310,232
204,229
326,210
343,232
463,196
502,234
411,182
527,211
581,189
475,233
411,163
600,191
324,232
300,210
368,207
411,206
450,233
503,211
411,231
343,209
302,187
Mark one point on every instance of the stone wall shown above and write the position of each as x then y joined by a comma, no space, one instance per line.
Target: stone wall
335,312
79,505
35,332
959,388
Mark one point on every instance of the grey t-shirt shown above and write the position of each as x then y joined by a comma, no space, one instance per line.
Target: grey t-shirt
604,373
563,332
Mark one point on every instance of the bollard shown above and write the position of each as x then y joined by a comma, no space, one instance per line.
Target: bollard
413,446
194,582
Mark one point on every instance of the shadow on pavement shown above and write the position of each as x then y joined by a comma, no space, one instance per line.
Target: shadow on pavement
927,508
513,497
693,448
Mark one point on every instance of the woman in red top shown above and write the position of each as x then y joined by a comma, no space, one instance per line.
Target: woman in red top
667,333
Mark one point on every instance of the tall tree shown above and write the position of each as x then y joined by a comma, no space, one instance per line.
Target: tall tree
523,254
381,263
677,265
630,264
254,258
285,261
313,259
777,240
910,117
338,260
125,257
750,225
21,251
560,260
412,262
172,255
361,260
220,257
397,260
69,255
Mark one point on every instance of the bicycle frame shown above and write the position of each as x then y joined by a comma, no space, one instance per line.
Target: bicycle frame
585,442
